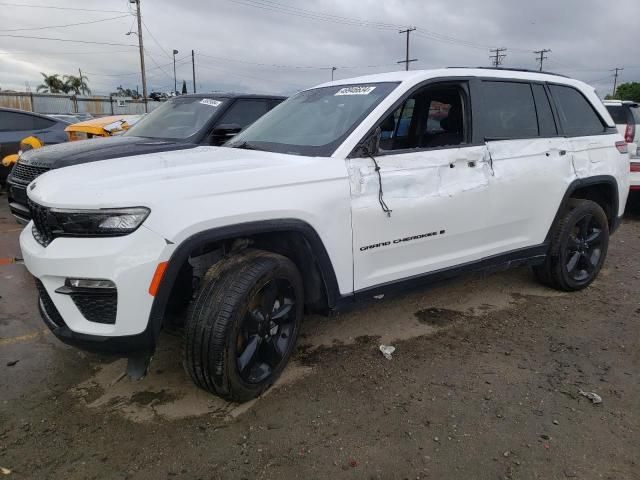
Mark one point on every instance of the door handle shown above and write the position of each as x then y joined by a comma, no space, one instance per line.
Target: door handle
560,152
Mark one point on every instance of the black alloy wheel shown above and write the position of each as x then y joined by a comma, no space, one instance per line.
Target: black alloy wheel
266,330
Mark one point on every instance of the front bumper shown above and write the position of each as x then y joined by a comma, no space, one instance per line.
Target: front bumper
129,262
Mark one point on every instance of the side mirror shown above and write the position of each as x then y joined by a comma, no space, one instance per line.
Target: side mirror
371,144
223,132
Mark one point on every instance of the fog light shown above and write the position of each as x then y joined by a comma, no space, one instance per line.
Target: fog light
89,283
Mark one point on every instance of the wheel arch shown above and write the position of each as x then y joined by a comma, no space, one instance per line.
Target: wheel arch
293,238
602,189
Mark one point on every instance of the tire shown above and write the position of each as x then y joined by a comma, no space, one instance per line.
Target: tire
579,243
243,325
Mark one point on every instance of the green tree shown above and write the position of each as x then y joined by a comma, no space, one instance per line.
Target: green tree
628,91
125,92
184,87
51,84
78,85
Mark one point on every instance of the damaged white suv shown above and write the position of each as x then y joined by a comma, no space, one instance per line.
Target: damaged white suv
344,192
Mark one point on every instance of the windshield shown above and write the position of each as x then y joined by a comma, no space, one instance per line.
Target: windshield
313,122
177,119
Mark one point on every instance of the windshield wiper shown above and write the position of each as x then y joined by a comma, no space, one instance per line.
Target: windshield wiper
246,146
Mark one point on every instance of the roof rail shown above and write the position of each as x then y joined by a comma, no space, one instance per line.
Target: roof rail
518,70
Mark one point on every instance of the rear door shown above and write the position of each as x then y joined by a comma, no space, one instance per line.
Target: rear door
531,168
583,127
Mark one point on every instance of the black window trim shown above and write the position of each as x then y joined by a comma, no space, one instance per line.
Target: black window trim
607,130
530,83
466,84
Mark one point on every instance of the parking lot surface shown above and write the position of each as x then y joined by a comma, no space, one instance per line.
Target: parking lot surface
485,382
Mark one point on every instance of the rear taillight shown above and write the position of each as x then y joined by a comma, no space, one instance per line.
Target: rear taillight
622,147
630,132
634,167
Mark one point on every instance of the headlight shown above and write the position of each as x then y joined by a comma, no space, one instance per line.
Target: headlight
107,222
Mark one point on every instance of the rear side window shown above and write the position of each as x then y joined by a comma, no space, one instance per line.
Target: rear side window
245,112
16,122
635,111
620,114
509,110
546,122
577,116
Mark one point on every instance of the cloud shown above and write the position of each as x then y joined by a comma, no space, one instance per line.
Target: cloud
273,46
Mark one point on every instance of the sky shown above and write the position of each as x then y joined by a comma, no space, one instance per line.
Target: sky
282,46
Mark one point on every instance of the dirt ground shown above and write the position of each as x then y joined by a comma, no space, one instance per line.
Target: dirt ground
484,384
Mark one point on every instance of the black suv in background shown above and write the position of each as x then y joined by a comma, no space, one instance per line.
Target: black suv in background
181,123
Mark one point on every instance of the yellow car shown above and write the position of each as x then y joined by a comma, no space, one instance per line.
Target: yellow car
28,143
101,127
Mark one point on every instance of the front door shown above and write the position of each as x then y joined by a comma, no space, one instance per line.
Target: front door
434,184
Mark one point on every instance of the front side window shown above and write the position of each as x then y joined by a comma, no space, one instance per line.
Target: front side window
314,122
509,111
180,118
16,122
432,117
577,116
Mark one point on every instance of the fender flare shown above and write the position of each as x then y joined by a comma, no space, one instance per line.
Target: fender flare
181,254
608,180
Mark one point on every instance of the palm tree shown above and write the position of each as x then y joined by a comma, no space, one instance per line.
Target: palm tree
78,84
51,84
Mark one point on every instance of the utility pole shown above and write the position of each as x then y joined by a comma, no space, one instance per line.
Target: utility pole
615,79
175,82
141,46
542,56
193,67
497,59
406,61
333,69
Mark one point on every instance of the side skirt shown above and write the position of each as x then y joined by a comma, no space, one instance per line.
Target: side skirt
496,263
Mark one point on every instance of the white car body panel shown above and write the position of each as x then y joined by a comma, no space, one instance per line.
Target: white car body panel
505,201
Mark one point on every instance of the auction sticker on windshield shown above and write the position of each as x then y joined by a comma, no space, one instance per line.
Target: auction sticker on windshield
355,91
211,102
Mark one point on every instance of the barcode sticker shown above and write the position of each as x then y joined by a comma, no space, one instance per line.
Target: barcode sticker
210,102
359,90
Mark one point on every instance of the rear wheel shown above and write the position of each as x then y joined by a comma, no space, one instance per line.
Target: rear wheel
243,325
579,244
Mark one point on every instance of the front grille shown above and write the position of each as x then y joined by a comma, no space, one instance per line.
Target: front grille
22,173
41,223
99,307
48,307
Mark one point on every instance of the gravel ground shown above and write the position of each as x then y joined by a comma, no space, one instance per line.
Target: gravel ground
484,383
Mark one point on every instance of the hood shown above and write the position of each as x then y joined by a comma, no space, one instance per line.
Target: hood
157,179
95,149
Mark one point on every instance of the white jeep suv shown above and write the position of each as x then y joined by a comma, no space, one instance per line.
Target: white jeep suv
344,192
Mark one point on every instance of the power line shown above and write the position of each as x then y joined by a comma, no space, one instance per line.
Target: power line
59,8
64,26
38,53
66,40
155,40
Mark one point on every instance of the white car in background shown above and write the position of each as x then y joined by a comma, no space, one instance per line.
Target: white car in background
626,116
